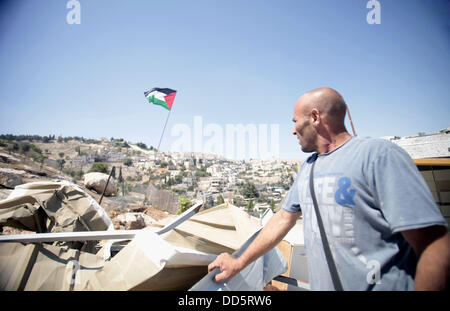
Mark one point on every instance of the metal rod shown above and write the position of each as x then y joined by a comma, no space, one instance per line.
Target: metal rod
167,119
351,122
107,182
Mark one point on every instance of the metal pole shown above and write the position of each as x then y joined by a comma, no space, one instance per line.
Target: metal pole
97,235
104,190
167,119
351,122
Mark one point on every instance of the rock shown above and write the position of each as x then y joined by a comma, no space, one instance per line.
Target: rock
6,158
97,181
9,178
148,220
133,221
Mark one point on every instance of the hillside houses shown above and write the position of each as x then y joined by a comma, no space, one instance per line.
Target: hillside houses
208,177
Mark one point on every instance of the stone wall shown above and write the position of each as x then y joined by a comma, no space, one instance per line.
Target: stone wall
162,199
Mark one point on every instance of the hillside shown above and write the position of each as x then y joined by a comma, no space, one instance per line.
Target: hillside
23,161
147,178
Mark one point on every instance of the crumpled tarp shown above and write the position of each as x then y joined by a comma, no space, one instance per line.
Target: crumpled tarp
50,207
42,266
149,262
174,260
53,207
179,258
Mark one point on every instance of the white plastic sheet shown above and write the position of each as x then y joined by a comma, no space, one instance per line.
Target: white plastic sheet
253,278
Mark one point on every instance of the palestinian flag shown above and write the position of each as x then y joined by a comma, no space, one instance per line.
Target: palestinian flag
162,97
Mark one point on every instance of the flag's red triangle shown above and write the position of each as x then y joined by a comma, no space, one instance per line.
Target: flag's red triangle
169,99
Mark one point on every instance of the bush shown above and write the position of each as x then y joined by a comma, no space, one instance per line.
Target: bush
220,200
185,204
99,167
61,163
36,149
249,190
25,147
78,175
127,162
142,145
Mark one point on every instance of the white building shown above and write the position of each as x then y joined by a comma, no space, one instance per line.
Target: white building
425,145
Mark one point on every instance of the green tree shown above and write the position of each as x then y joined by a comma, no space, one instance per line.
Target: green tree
272,205
250,206
41,159
25,147
220,200
78,150
185,204
36,148
99,167
61,163
61,154
78,175
249,190
142,145
127,162
125,187
15,147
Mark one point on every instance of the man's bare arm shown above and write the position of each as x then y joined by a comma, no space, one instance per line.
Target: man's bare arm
432,247
274,231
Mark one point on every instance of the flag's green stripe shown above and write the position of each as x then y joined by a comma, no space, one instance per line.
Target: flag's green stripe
156,101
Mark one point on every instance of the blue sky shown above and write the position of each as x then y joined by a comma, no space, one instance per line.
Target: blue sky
231,62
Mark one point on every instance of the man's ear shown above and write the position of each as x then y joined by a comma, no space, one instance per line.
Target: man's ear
315,115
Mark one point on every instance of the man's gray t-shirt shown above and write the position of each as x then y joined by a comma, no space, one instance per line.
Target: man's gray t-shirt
368,191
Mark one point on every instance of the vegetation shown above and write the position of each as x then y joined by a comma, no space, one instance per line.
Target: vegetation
10,137
185,204
202,172
76,174
272,205
144,146
248,190
127,162
99,167
61,163
250,206
238,201
41,159
47,139
220,200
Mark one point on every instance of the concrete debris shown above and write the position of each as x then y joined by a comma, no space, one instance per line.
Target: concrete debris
132,221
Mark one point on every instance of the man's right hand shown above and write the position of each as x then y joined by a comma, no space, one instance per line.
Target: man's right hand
272,233
228,265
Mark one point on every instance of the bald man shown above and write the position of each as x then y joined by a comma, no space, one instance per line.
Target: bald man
384,230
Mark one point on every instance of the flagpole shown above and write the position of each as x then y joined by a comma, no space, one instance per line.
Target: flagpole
167,119
351,122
